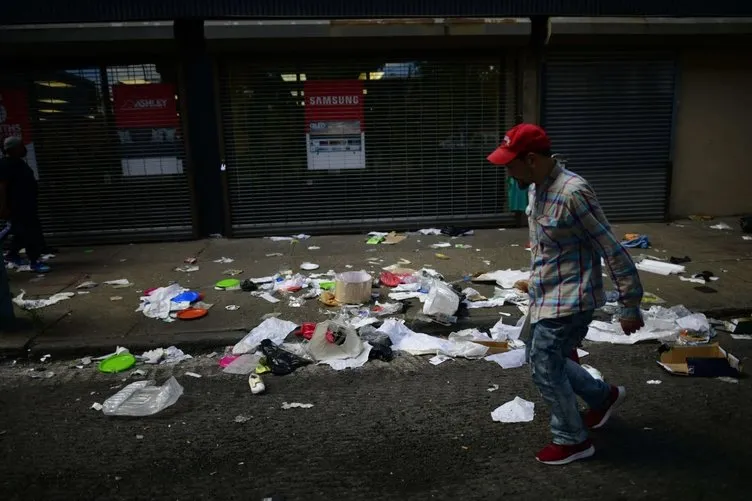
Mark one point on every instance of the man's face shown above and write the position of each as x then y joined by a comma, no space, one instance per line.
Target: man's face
521,169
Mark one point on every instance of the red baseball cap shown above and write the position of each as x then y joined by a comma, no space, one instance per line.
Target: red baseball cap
522,138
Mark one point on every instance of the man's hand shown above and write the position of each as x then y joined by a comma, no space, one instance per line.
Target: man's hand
631,325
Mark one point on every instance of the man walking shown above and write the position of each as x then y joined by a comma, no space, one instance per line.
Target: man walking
569,235
18,196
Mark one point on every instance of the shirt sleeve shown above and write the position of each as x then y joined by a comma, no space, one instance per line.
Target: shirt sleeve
588,214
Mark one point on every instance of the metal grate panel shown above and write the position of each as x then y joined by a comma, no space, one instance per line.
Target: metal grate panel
99,181
427,126
610,114
55,11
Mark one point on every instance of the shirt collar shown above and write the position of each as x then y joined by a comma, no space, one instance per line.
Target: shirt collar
558,168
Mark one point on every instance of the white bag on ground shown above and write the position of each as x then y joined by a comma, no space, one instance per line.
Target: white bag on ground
441,299
518,410
273,329
143,398
322,350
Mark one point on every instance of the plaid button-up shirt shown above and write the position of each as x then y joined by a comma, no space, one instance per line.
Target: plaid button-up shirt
569,234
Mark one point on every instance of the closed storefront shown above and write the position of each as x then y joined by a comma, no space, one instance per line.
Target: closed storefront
610,115
106,143
369,143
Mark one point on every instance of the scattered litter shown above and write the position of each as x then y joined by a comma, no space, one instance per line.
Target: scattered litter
232,272
727,379
660,267
441,245
492,387
275,254
118,284
438,359
190,260
309,266
139,437
518,410
116,298
273,329
170,355
314,247
741,325
86,361
699,361
302,236
503,278
232,307
721,226
193,374
661,324
654,381
296,405
158,303
242,365
636,241
281,361
35,304
430,231
224,260
117,363
96,406
138,373
40,374
228,284
86,285
45,358
679,260
442,256
747,237
393,238
268,297
143,398
242,419
509,360
187,268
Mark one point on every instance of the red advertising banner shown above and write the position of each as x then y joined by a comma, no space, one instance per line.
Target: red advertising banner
145,106
333,101
14,114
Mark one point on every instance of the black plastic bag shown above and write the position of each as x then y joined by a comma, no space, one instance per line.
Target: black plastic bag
746,224
280,361
381,351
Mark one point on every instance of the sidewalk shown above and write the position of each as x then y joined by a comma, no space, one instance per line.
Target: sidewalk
92,323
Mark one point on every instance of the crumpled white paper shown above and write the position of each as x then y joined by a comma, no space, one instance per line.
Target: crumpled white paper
35,304
459,344
504,278
518,410
159,303
273,329
169,355
508,360
296,405
430,231
503,332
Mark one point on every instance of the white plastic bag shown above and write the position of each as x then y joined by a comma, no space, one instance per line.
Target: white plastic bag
143,398
518,410
441,300
272,328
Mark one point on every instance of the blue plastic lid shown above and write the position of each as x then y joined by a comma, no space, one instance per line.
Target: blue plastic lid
190,296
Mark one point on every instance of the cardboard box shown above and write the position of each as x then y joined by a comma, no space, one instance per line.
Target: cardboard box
701,361
494,346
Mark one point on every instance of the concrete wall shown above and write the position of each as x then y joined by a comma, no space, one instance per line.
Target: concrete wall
713,134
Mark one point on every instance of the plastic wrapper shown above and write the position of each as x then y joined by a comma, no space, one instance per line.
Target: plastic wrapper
143,398
441,299
281,362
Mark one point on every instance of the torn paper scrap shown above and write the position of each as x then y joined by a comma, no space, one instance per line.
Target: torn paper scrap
654,381
582,353
721,226
518,410
224,260
274,329
508,360
439,359
35,304
492,387
350,363
660,268
268,297
503,278
120,283
296,405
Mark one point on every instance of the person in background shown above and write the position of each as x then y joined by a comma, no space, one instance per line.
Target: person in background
18,200
569,235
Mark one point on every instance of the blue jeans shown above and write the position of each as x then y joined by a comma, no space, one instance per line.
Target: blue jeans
559,379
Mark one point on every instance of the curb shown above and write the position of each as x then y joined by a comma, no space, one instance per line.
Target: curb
195,342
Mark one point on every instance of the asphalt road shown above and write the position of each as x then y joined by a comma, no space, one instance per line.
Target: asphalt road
399,430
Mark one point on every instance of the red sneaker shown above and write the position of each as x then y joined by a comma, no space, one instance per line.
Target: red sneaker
595,419
555,454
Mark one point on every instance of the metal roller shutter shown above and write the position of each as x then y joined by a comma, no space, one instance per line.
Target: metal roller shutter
610,114
427,127
107,146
